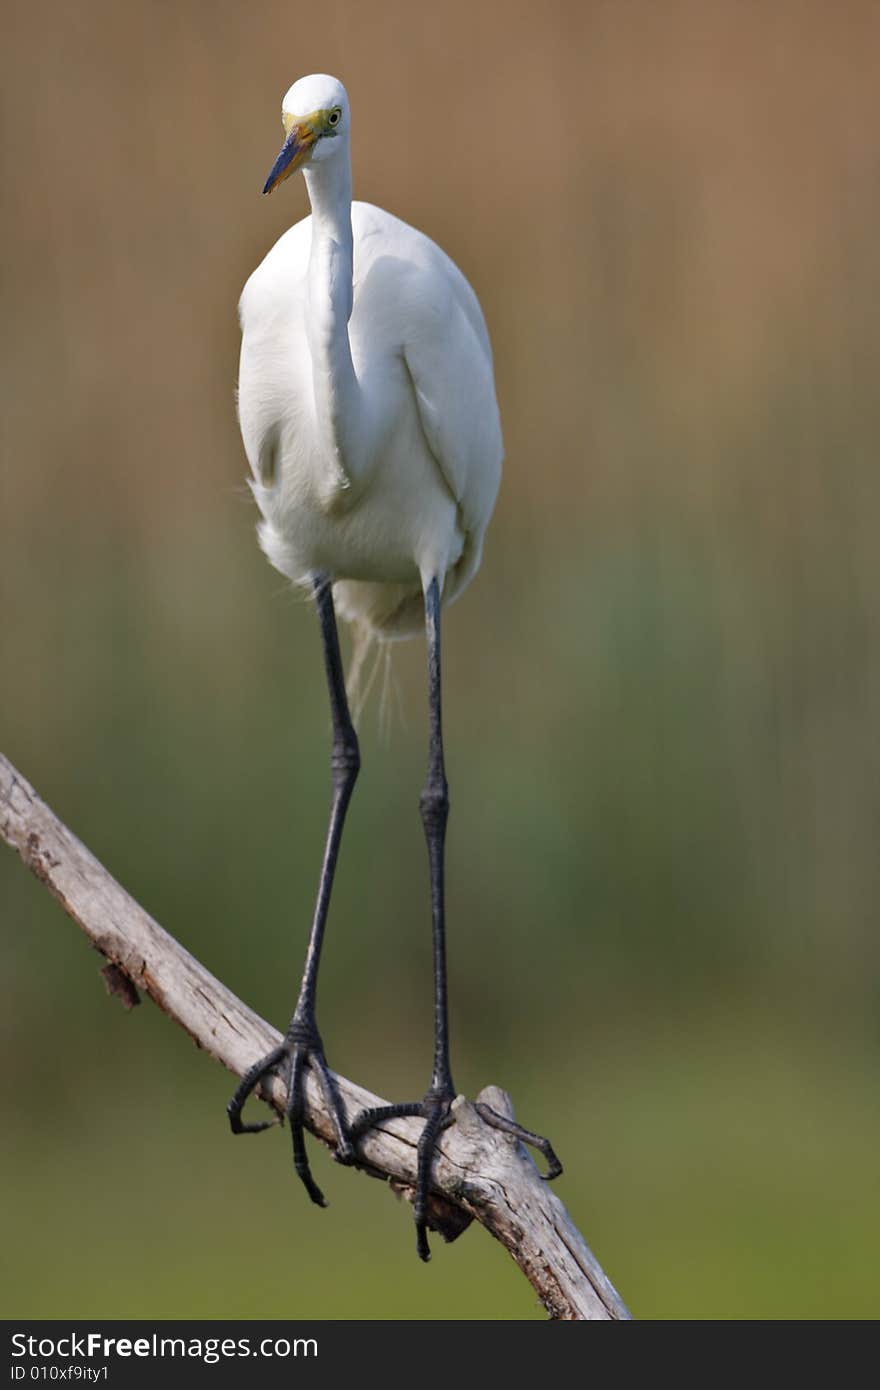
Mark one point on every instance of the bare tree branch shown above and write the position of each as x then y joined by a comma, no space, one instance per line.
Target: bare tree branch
479,1172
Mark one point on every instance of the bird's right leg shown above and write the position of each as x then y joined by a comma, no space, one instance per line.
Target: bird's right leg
302,1044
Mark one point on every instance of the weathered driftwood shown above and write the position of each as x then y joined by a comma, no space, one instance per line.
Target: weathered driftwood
479,1172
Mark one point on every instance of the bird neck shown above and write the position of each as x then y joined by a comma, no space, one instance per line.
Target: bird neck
330,298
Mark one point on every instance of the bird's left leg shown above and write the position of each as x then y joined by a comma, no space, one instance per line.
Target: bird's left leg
435,1107
302,1044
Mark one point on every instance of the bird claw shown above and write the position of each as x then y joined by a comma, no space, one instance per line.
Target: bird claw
249,1082
437,1112
295,1053
435,1109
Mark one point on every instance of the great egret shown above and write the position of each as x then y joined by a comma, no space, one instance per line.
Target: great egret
368,413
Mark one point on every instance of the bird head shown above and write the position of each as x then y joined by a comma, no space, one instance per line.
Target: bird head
315,116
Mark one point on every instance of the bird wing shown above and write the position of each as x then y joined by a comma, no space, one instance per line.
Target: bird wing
449,359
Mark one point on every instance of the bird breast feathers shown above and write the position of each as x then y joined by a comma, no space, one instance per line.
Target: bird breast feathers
412,301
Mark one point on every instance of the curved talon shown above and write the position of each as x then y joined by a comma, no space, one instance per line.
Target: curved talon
344,1151
248,1082
294,1110
238,1127
427,1141
526,1136
423,1249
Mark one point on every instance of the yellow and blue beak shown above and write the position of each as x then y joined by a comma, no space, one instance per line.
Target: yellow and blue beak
301,136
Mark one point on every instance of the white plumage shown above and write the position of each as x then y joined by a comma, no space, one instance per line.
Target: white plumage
366,392
367,407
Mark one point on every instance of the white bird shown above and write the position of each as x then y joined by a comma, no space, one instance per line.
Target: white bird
368,413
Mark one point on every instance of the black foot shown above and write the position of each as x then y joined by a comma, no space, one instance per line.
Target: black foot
302,1047
435,1111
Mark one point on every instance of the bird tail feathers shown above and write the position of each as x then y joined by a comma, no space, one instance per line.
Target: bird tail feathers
371,655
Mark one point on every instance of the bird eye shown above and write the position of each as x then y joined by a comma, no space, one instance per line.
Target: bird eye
333,118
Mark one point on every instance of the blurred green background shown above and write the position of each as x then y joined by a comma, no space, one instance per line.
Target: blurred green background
662,691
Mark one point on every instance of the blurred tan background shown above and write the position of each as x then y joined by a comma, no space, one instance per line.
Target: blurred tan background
662,690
